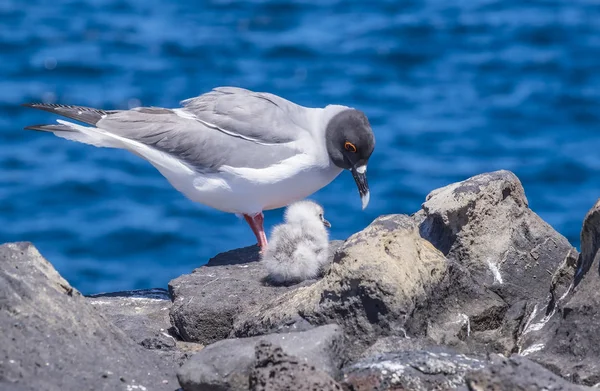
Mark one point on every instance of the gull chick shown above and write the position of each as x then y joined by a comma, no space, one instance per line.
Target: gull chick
299,247
232,149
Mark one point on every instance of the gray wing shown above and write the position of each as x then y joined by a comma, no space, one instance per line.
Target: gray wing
202,147
257,116
227,126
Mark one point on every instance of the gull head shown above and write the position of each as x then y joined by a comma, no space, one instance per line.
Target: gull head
350,142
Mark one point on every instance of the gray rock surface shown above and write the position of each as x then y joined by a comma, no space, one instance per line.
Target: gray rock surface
567,341
144,316
485,224
208,301
53,339
442,369
397,343
417,370
503,269
517,374
275,370
226,365
377,278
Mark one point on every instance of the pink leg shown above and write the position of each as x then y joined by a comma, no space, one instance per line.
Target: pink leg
257,225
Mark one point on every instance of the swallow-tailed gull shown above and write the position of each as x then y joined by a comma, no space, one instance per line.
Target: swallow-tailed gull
299,248
235,150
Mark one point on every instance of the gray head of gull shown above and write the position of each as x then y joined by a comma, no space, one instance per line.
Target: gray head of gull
299,248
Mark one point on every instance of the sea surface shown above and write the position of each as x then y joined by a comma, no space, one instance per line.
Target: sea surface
452,89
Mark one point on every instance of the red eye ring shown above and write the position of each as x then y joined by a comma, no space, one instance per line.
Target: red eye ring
350,147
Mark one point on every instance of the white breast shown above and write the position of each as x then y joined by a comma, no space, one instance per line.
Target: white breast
249,191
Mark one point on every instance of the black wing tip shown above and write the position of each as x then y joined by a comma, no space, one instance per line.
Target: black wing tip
37,128
49,128
42,106
58,106
88,115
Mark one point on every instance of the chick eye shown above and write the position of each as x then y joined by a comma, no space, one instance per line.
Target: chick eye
350,147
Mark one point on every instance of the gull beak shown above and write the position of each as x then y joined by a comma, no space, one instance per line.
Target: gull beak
326,223
360,177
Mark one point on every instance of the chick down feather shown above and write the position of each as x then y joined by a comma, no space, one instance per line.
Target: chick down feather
299,248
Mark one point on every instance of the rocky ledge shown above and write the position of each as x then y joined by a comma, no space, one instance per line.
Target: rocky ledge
472,292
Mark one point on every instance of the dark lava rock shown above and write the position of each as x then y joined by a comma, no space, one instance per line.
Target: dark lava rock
506,265
567,341
398,343
485,224
436,369
275,370
517,374
144,316
226,365
209,301
53,339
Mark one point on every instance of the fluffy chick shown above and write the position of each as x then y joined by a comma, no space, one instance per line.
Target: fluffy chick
300,247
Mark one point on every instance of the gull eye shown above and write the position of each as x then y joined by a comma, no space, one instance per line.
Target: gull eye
350,147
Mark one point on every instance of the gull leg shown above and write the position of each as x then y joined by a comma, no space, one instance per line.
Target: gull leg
256,223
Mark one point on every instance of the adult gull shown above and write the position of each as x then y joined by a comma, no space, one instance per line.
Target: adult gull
232,149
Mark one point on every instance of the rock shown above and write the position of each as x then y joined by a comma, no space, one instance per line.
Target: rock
397,343
442,369
411,302
590,243
567,340
517,374
226,365
144,316
459,312
378,277
276,371
505,264
485,224
437,369
53,339
208,301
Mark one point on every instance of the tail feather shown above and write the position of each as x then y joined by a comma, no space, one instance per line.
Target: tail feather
87,115
80,133
68,131
99,137
87,135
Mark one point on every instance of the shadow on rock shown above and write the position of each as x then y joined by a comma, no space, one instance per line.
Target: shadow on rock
568,341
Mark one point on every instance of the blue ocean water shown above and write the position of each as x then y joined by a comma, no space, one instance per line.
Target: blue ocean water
452,89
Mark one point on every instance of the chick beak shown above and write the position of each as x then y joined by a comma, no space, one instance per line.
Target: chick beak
326,223
360,177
